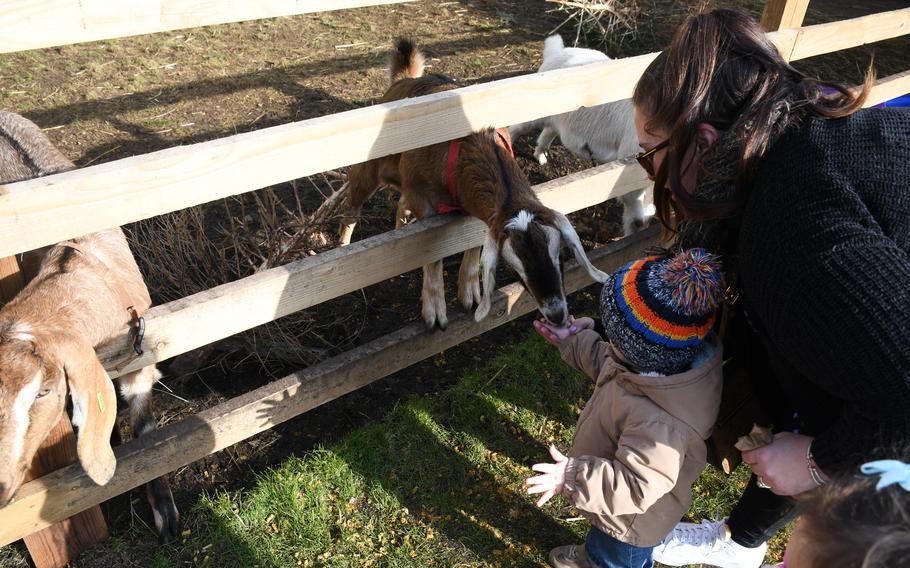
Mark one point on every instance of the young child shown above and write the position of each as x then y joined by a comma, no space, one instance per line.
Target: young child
640,440
855,521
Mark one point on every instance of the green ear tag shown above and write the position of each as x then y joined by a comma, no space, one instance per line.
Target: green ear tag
100,403
480,267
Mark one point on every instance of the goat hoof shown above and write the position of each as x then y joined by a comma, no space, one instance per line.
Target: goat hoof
167,518
542,159
170,533
443,324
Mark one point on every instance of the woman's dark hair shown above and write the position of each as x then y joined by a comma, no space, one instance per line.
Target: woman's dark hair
721,69
850,524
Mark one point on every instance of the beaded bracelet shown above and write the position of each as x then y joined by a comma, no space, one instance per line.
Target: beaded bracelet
813,470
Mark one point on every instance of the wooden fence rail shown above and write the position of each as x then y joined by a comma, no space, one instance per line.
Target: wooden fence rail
34,24
67,491
46,210
889,88
216,313
42,211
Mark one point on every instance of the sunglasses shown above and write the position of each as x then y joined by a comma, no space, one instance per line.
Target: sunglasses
646,159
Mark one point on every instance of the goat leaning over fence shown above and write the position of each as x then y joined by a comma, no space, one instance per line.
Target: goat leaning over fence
479,175
86,292
602,133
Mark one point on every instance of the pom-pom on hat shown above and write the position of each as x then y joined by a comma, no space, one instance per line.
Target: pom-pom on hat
658,310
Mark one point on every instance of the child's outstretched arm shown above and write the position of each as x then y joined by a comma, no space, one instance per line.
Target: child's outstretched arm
552,479
556,335
645,468
580,346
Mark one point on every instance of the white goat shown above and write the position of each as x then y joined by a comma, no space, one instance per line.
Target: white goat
602,134
86,293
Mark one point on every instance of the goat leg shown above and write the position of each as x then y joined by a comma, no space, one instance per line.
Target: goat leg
546,138
136,388
634,212
362,183
403,213
433,296
469,278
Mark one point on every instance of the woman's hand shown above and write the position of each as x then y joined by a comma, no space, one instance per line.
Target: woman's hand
553,478
556,335
781,465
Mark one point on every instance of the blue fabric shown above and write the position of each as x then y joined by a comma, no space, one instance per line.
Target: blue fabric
607,552
901,101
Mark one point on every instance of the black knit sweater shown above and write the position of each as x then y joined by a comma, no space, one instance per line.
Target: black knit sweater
825,273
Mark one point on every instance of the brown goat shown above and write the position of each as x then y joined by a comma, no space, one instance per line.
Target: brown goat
77,300
485,181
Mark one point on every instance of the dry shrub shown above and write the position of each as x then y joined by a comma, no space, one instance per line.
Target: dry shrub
192,250
599,22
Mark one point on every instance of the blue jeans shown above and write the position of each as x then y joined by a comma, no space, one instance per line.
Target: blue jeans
607,552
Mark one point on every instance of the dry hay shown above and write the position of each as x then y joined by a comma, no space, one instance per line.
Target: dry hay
192,250
599,21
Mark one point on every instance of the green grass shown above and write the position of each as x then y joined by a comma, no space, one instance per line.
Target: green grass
438,482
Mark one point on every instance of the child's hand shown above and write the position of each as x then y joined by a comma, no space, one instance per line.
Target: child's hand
556,335
553,478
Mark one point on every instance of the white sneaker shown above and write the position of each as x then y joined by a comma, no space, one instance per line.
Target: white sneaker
706,543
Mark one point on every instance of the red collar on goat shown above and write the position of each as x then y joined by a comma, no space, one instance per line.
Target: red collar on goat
452,178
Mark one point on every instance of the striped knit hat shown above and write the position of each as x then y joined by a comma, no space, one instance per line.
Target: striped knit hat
658,310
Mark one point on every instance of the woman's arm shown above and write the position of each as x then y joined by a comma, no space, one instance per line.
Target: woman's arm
826,271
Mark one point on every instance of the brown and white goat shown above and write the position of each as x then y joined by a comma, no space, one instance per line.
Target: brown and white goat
78,300
486,182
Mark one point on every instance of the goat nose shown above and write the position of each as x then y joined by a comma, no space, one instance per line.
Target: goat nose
557,315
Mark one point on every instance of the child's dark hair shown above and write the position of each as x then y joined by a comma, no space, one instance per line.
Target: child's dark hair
851,524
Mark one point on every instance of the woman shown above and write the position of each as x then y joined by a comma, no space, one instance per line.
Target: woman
808,200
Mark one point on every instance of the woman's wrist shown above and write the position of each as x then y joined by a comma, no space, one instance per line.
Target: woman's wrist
814,472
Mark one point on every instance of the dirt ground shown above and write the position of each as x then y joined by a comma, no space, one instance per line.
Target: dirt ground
108,100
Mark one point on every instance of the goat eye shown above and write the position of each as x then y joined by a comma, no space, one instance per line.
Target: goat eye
42,393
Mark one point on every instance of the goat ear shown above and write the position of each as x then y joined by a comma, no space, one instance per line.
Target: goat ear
489,258
94,407
570,237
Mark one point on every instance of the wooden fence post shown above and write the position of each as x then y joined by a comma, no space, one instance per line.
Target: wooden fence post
10,279
60,543
783,14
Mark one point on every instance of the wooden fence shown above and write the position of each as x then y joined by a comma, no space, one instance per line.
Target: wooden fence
46,210
33,24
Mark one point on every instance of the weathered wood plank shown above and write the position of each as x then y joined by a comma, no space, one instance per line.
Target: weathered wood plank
11,280
889,87
67,491
783,14
835,36
50,209
34,24
219,312
46,210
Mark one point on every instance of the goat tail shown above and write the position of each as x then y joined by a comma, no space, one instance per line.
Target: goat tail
552,46
407,61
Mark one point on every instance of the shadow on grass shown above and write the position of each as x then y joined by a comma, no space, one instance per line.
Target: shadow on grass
438,482
459,458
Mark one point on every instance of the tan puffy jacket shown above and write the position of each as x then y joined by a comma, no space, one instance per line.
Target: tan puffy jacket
640,440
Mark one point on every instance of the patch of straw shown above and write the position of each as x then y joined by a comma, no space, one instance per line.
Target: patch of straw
192,250
599,21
